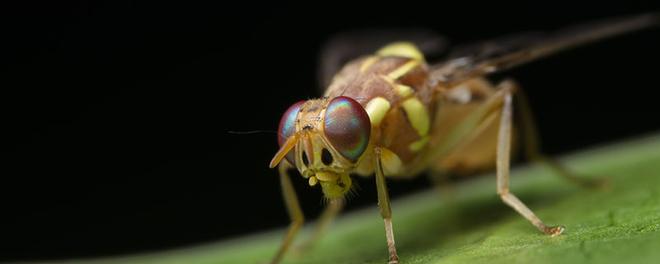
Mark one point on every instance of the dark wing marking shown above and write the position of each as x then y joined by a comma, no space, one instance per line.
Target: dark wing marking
345,46
493,56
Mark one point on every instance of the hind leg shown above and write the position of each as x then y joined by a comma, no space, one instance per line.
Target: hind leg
503,162
531,145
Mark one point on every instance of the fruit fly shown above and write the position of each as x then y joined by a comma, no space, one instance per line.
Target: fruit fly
393,115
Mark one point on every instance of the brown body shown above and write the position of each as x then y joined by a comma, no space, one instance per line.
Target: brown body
368,77
392,114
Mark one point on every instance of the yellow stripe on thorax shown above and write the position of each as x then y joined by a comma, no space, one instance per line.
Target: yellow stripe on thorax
403,69
418,115
367,63
415,110
401,49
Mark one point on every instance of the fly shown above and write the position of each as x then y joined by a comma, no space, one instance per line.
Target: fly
393,115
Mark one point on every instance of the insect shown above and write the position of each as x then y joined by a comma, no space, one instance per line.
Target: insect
393,115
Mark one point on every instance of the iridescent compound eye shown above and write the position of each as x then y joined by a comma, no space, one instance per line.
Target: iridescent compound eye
347,127
288,127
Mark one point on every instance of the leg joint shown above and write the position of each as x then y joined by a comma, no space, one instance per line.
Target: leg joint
298,220
509,85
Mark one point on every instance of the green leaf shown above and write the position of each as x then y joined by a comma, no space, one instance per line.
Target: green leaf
619,224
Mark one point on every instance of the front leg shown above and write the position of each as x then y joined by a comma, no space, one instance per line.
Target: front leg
384,205
292,205
503,159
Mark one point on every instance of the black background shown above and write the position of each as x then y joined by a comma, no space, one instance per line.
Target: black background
115,116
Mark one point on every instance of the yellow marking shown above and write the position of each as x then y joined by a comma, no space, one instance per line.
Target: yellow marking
403,69
376,109
365,166
313,181
326,176
388,80
419,144
417,114
403,90
401,49
391,162
400,89
332,190
367,63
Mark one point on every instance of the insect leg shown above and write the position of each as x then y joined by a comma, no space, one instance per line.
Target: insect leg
503,159
440,175
441,147
442,184
329,214
384,205
293,207
532,147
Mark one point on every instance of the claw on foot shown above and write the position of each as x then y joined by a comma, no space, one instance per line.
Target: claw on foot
600,183
597,183
301,249
554,231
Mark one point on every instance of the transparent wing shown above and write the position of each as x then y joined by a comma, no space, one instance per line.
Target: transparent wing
501,54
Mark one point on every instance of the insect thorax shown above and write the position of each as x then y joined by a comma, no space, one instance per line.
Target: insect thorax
394,91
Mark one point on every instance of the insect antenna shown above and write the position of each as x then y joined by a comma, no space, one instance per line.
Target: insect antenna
286,147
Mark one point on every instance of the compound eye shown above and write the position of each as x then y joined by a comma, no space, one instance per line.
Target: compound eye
347,127
287,127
